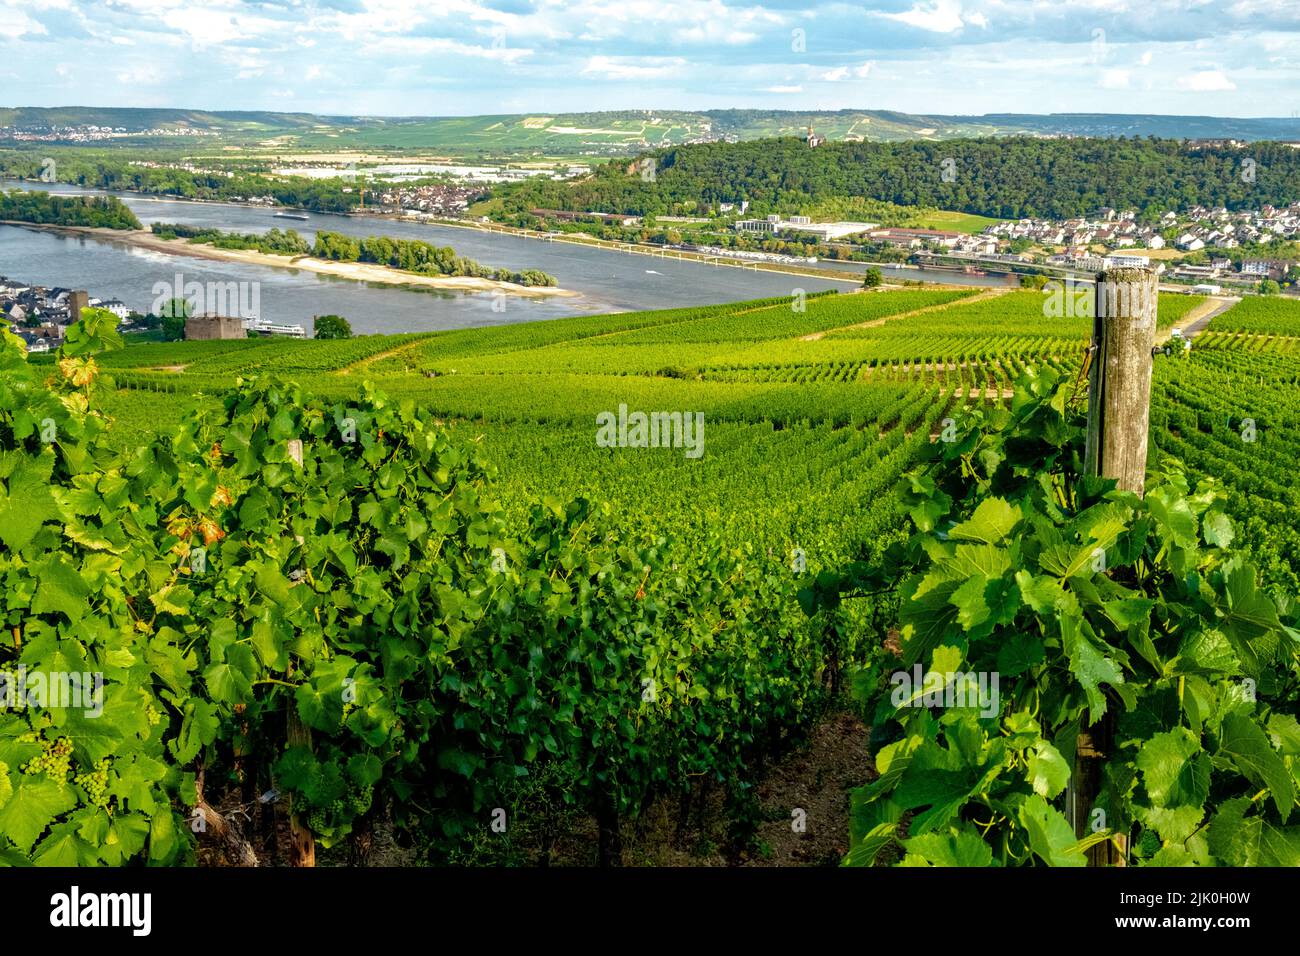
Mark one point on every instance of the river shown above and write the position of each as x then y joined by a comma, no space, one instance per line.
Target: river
606,281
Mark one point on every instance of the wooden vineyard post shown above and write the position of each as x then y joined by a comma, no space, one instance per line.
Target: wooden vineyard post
298,734
1119,412
1119,383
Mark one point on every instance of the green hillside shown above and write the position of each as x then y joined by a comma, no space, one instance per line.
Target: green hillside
627,131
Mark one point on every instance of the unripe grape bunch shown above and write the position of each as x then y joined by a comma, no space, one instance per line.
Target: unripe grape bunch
95,782
54,759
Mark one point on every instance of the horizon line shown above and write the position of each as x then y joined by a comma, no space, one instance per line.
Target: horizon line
644,109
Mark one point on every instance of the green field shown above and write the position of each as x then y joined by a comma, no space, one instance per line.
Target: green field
956,221
451,557
1261,315
762,373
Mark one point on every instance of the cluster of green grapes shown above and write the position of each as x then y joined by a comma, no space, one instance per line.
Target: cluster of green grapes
359,800
54,759
95,782
319,818
324,819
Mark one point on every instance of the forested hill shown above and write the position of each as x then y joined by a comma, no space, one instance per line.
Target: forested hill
1005,177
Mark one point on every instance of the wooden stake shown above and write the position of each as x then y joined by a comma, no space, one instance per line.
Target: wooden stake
1119,386
1119,412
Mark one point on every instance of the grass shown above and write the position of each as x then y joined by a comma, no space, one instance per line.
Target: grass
956,221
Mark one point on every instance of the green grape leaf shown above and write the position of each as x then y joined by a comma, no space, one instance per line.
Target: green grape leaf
991,521
26,503
35,803
1089,666
953,848
1161,761
1048,772
199,726
1050,836
61,589
1246,745
1284,733
1021,652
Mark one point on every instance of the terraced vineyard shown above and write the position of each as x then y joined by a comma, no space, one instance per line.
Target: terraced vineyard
887,364
778,381
774,449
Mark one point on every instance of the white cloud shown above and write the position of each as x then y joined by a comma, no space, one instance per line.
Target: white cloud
715,31
15,23
204,27
1146,58
1206,81
1114,79
436,46
861,71
936,16
633,67
783,89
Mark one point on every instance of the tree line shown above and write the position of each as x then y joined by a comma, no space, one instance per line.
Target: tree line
97,170
105,212
272,242
413,255
1008,178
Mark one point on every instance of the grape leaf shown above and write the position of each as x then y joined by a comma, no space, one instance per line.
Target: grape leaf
36,801
954,848
1242,740
26,503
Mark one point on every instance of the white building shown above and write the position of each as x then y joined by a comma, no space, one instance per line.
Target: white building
822,230
1118,260
827,230
1257,267
116,306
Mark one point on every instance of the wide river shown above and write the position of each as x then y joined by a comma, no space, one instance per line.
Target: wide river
606,281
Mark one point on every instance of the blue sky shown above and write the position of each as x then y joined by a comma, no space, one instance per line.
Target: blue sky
446,57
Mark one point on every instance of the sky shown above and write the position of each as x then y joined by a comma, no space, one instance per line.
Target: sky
465,57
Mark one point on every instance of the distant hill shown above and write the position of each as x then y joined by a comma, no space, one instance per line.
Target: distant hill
629,131
998,177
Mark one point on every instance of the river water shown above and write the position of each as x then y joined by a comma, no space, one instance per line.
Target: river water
605,280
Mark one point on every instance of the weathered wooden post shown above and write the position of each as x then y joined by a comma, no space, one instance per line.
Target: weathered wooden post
1119,384
298,734
1119,411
